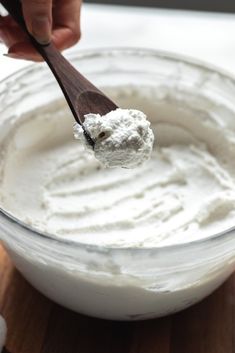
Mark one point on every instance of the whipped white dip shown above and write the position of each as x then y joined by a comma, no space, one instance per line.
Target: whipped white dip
185,192
123,137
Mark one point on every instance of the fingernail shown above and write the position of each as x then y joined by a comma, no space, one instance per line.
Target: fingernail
41,29
15,56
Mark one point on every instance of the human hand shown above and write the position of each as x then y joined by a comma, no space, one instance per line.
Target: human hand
58,22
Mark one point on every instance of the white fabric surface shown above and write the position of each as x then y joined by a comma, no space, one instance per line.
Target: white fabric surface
207,36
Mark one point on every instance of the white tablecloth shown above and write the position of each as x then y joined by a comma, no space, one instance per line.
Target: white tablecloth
207,36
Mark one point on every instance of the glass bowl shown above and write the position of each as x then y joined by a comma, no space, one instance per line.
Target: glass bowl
106,282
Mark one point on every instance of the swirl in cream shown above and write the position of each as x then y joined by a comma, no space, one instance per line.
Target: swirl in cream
186,191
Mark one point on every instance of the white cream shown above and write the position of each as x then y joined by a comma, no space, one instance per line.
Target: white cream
185,192
122,137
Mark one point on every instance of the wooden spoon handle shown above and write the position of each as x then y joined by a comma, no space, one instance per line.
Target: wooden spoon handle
70,80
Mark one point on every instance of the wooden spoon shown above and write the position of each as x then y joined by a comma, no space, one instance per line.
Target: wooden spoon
82,96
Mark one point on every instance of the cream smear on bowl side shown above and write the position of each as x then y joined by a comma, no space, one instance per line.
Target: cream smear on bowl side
123,137
186,191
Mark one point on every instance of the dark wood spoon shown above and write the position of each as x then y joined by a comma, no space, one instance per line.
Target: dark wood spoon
82,96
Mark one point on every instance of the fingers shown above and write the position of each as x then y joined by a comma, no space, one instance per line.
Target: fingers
10,33
23,51
66,27
38,18
61,38
16,40
66,18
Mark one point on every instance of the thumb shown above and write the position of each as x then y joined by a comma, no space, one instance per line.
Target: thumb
38,18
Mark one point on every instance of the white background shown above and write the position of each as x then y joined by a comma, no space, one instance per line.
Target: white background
207,36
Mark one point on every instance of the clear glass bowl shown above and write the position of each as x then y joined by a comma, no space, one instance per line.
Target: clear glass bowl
117,283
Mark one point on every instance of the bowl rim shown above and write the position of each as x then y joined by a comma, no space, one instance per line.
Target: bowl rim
96,52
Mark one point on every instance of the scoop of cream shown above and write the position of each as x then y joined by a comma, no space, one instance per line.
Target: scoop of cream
123,137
